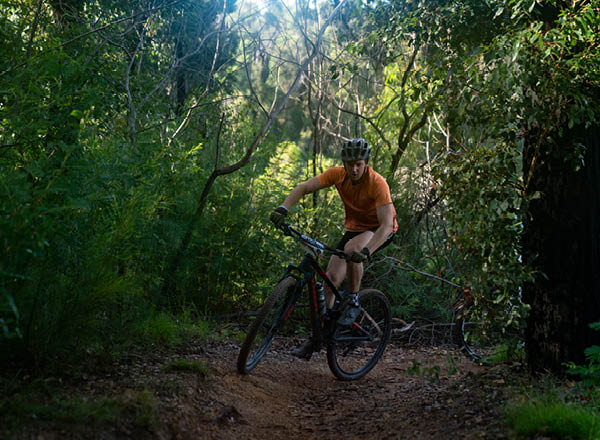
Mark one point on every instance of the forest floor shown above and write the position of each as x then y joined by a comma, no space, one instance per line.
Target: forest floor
413,393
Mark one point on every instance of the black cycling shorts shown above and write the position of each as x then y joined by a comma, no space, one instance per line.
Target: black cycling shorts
349,235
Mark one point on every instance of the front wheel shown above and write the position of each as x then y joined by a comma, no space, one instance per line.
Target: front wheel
263,329
354,350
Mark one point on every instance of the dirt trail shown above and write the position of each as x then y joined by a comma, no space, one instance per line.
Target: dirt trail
287,398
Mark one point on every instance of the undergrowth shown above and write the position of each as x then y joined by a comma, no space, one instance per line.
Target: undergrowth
550,415
186,365
138,406
569,412
27,395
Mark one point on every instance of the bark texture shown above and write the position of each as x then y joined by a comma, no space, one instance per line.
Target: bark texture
562,240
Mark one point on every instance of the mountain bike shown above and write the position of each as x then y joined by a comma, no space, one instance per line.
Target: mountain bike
352,351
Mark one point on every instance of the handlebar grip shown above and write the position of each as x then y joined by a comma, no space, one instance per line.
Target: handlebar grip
285,227
341,254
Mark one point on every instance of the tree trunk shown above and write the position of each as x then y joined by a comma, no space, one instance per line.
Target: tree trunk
562,240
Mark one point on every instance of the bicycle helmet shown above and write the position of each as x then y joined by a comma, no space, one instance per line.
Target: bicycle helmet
355,149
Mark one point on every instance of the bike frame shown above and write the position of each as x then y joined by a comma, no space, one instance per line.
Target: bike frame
347,354
306,271
305,274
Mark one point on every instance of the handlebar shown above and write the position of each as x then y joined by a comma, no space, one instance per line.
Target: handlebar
310,244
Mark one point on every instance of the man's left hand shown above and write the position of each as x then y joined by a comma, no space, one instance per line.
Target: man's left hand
360,257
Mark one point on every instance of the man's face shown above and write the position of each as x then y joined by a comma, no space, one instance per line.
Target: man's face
355,169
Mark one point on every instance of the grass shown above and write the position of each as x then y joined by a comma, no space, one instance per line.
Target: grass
165,329
226,334
21,405
505,354
551,416
169,330
189,366
140,406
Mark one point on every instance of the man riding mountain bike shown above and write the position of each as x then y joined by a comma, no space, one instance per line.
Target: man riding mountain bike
370,222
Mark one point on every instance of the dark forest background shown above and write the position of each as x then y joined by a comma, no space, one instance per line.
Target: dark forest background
144,144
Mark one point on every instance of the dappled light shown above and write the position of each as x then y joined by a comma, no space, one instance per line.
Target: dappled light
144,147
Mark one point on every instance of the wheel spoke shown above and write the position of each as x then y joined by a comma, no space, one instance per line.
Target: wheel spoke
373,322
355,350
268,323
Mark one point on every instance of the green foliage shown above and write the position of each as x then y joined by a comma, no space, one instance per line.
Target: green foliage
110,128
92,199
571,414
550,416
79,410
432,372
161,329
509,352
460,175
168,329
486,65
412,295
187,366
484,224
590,373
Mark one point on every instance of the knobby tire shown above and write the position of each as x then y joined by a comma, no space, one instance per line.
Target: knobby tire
353,351
265,327
461,335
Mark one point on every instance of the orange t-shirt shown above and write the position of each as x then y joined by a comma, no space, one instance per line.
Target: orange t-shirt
360,200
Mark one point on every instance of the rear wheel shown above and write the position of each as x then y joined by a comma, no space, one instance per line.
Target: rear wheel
263,329
354,350
464,333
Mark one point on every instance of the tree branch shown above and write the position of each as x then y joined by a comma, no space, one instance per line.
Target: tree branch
93,31
168,279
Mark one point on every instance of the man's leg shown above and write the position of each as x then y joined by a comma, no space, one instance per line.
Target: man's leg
355,270
336,272
337,269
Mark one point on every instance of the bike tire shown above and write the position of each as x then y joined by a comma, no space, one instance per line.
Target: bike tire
353,351
264,328
463,334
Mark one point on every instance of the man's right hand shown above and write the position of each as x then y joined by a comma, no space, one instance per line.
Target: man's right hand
278,215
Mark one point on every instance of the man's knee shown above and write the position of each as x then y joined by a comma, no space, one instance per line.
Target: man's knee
358,242
335,277
336,271
352,246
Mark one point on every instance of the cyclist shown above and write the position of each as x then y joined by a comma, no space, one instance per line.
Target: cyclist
370,222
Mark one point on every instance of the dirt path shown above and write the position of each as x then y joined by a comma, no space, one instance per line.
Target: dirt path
287,398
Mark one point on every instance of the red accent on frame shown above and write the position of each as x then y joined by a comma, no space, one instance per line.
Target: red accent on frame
288,313
314,294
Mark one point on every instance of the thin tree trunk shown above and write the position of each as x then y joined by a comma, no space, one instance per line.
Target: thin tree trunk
34,26
169,277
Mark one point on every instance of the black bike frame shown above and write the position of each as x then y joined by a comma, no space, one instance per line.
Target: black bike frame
307,269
